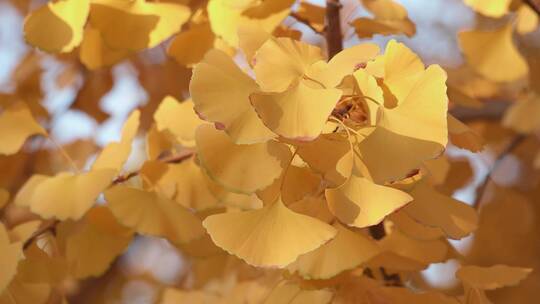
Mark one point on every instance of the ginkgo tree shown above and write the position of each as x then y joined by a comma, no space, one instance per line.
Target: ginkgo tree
280,170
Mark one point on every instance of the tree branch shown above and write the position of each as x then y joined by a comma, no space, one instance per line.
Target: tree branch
334,38
534,5
480,191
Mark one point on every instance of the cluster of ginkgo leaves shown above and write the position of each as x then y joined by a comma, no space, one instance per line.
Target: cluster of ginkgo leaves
279,174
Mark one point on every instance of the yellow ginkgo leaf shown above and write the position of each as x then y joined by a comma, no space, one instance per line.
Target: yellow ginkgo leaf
94,53
490,8
16,125
174,296
64,196
216,87
115,154
330,155
400,67
10,255
239,168
464,137
346,251
412,132
522,115
158,142
226,20
178,118
20,291
58,26
488,278
189,46
527,20
292,293
282,61
414,229
93,243
361,203
429,207
22,232
342,64
493,54
298,113
250,39
187,183
403,253
390,18
136,25
152,214
271,236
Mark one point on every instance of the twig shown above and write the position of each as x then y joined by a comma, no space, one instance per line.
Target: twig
492,110
334,38
305,21
534,5
516,141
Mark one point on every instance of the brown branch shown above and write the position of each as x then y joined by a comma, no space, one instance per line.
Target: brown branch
305,22
534,5
492,110
51,227
334,38
480,191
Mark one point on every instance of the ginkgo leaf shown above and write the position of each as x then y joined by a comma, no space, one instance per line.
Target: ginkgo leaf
16,125
115,154
179,118
416,130
93,243
187,183
189,46
94,53
22,232
250,39
400,67
488,278
414,229
493,54
282,61
527,20
225,20
260,164
359,202
490,8
218,85
291,293
521,116
10,255
298,113
464,137
429,207
174,296
43,264
330,155
151,214
346,251
390,18
64,196
271,236
20,291
342,64
58,26
403,253
135,25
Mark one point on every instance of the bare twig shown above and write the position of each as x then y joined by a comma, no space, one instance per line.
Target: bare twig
334,38
480,191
